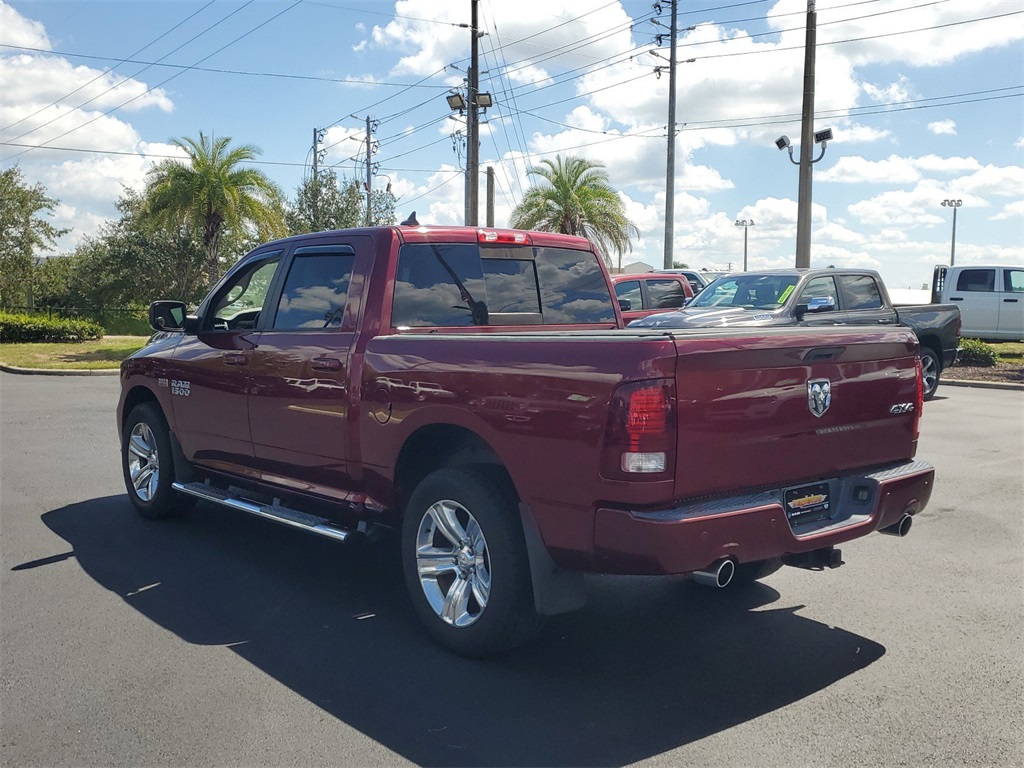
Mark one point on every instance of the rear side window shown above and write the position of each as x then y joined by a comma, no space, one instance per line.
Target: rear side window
666,294
1013,280
453,285
316,288
976,280
861,291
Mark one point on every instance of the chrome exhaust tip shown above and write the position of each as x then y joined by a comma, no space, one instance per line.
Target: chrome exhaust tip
717,575
901,529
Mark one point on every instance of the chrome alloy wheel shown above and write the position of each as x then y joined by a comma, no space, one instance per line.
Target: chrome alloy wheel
929,373
143,461
453,563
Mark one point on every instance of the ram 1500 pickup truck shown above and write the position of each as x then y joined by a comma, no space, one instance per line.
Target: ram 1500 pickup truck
475,392
819,297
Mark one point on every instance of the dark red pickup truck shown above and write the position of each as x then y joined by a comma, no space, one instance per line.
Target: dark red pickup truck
475,390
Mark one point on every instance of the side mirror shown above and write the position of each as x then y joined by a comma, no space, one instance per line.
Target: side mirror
625,305
167,315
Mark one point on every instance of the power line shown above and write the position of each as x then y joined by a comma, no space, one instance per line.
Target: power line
134,75
108,70
172,77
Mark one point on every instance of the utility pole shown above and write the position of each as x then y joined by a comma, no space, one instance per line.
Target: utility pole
803,216
317,138
670,170
369,174
473,123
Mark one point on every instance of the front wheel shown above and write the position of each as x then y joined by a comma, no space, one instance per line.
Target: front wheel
465,561
929,372
147,464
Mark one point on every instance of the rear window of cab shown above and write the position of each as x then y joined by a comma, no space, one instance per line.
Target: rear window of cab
462,284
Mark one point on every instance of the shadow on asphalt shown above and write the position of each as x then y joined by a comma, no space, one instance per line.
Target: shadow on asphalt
649,665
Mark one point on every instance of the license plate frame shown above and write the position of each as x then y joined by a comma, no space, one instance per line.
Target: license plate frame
808,503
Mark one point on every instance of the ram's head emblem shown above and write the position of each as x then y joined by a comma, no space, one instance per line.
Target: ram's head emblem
819,396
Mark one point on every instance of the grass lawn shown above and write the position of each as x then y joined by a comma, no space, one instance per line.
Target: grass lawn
86,355
1009,351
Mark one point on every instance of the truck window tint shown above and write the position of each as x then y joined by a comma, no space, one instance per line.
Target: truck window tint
976,280
315,291
573,289
665,294
239,302
511,284
629,291
1013,280
862,292
439,285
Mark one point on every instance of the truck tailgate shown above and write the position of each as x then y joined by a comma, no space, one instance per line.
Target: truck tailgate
748,417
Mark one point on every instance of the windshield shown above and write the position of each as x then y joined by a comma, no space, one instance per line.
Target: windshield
747,292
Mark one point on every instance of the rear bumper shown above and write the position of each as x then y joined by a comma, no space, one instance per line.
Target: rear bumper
754,526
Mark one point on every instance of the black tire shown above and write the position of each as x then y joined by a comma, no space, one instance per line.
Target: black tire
447,580
930,370
748,573
148,465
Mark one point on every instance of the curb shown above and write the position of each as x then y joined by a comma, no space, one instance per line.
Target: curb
59,371
981,384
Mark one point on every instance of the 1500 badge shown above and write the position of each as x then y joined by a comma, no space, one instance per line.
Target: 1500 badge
182,388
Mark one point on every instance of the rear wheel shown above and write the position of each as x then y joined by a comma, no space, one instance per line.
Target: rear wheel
929,372
147,464
465,562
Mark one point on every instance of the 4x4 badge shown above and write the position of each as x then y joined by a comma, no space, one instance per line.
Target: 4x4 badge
819,396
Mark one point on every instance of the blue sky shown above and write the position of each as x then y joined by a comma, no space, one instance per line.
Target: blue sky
925,99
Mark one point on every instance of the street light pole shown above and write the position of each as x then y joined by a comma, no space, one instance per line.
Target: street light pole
954,204
746,225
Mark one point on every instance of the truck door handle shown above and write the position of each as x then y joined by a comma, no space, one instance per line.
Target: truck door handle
326,364
235,358
956,298
1010,301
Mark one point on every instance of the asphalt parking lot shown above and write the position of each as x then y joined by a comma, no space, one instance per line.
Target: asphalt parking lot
220,640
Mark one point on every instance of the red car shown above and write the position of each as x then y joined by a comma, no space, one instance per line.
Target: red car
650,293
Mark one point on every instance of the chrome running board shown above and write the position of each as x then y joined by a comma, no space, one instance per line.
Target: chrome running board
293,517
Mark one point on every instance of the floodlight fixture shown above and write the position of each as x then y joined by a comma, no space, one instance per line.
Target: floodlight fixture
821,137
484,100
782,142
456,101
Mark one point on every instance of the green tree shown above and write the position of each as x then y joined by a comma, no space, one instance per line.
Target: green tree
576,199
321,203
325,202
24,231
215,197
129,263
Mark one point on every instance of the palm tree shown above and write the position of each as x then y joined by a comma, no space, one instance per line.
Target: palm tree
576,200
213,194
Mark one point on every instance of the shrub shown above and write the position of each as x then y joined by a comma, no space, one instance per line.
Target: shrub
29,328
976,352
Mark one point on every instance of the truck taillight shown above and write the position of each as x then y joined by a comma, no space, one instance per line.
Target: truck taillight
918,399
640,438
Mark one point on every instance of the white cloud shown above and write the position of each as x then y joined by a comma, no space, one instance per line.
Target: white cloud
943,128
17,30
1014,210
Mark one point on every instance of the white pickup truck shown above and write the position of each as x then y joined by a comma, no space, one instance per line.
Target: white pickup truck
991,299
